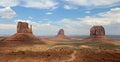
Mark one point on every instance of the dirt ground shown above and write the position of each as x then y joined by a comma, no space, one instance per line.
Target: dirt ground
66,51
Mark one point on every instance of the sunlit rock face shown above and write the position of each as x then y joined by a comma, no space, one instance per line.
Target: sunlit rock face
23,27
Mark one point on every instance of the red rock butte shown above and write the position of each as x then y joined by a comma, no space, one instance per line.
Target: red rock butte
61,36
97,33
22,27
24,35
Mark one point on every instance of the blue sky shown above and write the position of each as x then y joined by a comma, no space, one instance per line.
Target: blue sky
76,17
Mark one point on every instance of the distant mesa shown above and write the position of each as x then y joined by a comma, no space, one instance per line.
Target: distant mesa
61,36
97,33
24,35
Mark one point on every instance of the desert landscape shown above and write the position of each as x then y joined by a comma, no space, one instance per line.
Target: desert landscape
24,46
59,30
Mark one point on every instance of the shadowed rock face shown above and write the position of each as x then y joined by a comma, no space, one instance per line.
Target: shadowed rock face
97,31
22,27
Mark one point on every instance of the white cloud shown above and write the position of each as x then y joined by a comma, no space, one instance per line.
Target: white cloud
9,3
96,21
95,3
113,13
49,13
52,4
105,18
7,13
41,4
69,23
67,7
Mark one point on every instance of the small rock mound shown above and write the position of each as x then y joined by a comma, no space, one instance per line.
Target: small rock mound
24,35
97,33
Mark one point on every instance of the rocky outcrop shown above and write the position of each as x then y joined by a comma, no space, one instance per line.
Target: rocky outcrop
97,33
24,35
23,27
61,33
61,36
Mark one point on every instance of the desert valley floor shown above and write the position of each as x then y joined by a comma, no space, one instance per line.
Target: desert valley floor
61,51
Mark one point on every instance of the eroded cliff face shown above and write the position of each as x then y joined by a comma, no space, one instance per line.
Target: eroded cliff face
23,27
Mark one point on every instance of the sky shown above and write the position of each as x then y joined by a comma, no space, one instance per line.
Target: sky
76,17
